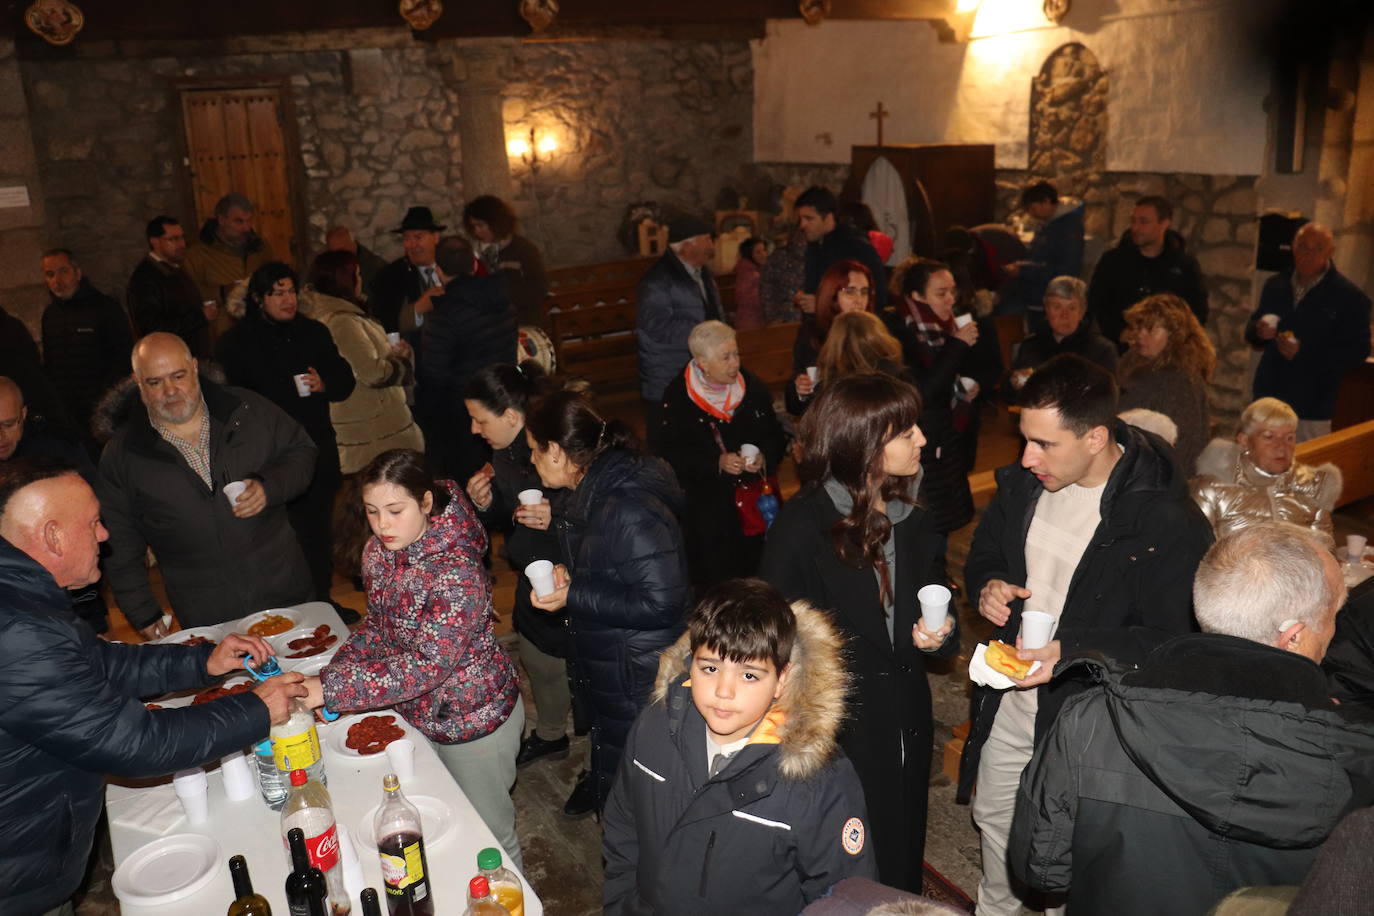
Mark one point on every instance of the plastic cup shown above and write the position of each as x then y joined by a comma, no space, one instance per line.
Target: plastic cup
239,784
1036,629
748,451
540,574
1354,547
934,606
813,373
401,755
1271,320
302,385
193,791
393,337
232,491
969,384
961,321
352,866
530,497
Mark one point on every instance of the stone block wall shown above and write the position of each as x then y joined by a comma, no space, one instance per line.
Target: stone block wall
22,292
668,121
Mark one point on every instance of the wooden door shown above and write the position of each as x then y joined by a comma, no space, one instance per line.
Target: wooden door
236,142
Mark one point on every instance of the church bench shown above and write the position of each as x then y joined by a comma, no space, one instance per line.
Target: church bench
767,352
605,276
1348,449
597,342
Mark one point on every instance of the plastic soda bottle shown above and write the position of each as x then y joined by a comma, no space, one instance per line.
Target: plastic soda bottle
505,884
310,808
480,900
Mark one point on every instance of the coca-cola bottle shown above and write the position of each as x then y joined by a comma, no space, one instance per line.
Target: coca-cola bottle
310,808
401,847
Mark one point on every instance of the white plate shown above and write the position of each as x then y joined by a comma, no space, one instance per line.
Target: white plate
338,735
436,820
308,666
214,634
279,643
168,869
243,625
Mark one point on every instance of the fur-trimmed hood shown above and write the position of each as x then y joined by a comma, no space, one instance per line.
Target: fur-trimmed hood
1225,460
807,717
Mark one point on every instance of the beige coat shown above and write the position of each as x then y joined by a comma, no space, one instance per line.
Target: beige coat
1234,494
375,417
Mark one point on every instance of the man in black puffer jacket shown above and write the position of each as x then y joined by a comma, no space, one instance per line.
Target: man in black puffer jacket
70,711
1220,762
472,325
86,340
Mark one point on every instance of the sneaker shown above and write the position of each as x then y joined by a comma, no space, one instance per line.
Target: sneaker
535,748
582,801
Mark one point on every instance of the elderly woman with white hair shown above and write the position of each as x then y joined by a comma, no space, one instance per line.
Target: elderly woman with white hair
711,412
1256,478
1065,330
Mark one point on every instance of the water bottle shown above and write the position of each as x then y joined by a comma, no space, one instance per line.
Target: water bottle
271,781
293,745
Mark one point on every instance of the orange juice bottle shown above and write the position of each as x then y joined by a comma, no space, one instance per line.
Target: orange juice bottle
505,884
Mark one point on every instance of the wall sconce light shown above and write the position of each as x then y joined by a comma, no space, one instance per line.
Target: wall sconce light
531,150
967,6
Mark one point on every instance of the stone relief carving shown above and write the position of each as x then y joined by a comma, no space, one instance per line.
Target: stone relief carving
55,21
539,13
813,11
421,14
1056,10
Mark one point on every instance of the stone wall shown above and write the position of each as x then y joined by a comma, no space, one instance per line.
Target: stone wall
668,121
22,293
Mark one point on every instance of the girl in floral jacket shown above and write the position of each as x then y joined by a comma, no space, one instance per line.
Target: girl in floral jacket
427,648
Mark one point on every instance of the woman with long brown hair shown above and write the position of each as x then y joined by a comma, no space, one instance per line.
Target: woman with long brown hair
855,541
1167,368
846,286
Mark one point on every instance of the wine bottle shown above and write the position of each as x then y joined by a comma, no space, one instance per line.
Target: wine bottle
306,890
246,903
372,906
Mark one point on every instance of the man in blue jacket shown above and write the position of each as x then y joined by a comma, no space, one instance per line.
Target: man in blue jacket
69,701
1055,251
675,295
1319,331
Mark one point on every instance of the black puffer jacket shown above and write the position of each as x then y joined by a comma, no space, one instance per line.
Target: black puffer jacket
623,542
1219,764
164,297
471,326
1133,587
70,714
86,347
216,567
1124,276
524,545
263,356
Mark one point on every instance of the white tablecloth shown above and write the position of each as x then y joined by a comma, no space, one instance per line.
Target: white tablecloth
253,830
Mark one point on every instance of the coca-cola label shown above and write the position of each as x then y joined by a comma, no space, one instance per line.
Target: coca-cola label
324,849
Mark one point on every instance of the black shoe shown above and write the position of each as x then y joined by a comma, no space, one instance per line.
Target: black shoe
346,614
535,748
582,801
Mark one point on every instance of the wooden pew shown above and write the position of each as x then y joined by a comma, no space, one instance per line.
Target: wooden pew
1350,449
767,352
596,277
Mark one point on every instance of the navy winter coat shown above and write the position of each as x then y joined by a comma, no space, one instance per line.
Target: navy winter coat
86,347
668,304
70,713
623,542
1124,276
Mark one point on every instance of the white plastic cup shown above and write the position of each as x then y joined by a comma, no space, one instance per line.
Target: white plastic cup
352,866
530,497
813,373
961,321
540,574
232,491
302,386
1270,321
1036,629
934,606
239,784
193,791
401,755
748,451
1354,547
393,337
969,384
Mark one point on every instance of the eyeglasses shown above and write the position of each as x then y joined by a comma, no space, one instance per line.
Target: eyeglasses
864,291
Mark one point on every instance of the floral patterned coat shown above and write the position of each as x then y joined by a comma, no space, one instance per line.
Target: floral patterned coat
427,647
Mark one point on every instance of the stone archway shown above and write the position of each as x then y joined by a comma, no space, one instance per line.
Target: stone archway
1068,119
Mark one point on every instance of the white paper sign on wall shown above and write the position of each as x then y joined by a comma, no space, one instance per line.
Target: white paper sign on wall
14,196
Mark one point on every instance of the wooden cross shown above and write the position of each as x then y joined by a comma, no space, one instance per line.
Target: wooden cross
879,115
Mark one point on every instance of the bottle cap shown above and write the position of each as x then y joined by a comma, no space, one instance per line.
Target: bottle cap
298,777
489,859
479,888
390,783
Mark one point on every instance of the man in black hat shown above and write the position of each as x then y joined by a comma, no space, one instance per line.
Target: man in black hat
411,280
675,295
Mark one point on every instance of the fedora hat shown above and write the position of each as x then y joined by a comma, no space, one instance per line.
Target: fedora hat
419,218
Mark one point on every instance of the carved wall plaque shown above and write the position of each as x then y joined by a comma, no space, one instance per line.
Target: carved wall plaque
421,14
539,13
55,21
1056,10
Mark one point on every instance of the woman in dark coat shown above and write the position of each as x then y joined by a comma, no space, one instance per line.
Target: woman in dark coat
491,223
854,541
497,399
709,412
936,352
265,352
846,286
625,585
